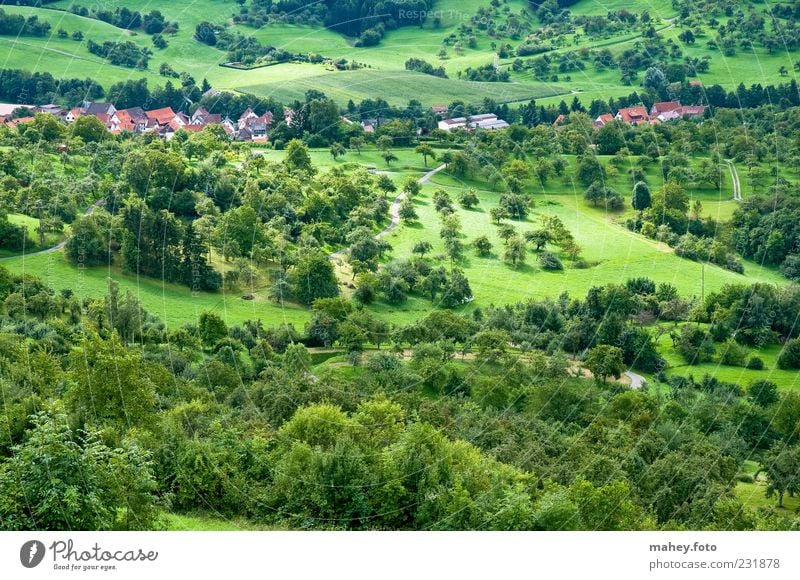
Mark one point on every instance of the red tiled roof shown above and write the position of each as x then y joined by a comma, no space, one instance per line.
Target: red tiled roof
664,107
162,116
633,114
15,122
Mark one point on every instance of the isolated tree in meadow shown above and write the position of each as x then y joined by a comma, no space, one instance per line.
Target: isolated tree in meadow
407,212
386,184
516,204
782,468
468,198
422,248
640,200
515,251
388,157
506,231
595,193
687,36
605,361
297,157
454,248
426,151
539,238
441,200
482,245
337,150
384,143
498,214
356,143
411,186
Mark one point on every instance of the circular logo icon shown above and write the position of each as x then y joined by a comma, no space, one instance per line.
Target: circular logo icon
31,553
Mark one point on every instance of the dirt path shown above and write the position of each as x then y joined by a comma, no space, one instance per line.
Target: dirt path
637,381
737,187
89,211
395,210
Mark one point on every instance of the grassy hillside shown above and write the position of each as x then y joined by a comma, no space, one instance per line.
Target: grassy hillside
385,75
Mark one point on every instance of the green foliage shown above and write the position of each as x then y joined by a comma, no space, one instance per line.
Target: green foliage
313,277
790,355
61,480
605,361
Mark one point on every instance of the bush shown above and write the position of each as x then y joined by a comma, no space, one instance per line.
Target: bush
790,355
755,363
733,354
549,261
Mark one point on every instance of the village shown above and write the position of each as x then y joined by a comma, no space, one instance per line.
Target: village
164,122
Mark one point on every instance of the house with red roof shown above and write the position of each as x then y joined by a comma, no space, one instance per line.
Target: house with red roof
603,119
14,122
632,115
664,107
161,116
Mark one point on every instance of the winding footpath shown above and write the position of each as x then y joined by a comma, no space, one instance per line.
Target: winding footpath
89,211
395,209
637,381
737,187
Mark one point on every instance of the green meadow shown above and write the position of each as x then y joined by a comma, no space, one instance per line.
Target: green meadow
385,74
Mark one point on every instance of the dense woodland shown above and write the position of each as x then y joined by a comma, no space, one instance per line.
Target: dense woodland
237,420
463,415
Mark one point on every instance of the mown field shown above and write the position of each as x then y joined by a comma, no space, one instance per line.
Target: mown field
385,76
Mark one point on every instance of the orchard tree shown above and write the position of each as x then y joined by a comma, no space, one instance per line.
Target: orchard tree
422,248
782,468
313,277
515,251
407,212
605,361
468,198
357,143
426,151
483,247
337,150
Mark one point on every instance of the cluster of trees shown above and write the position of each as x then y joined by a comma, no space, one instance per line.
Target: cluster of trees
766,230
152,23
242,49
486,73
123,53
18,25
366,20
419,65
18,86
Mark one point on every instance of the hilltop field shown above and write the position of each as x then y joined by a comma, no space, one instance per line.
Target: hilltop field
454,37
